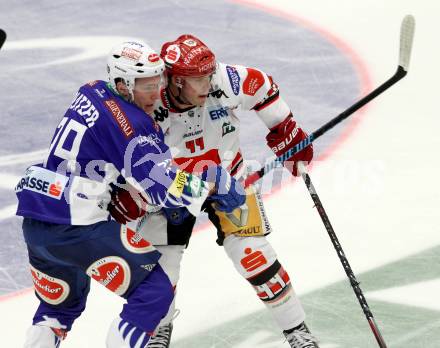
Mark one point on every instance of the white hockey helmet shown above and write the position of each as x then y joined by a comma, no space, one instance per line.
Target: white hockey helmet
133,59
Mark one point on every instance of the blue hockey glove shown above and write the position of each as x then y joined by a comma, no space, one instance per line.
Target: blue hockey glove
229,193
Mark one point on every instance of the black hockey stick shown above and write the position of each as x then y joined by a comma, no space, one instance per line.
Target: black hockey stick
2,37
406,38
352,278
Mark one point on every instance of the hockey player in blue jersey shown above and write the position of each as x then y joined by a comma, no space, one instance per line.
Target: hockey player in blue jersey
106,134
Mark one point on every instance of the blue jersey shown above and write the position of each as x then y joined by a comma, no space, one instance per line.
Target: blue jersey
101,137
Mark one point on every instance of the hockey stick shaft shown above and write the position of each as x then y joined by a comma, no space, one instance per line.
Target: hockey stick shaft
253,177
2,37
345,264
406,38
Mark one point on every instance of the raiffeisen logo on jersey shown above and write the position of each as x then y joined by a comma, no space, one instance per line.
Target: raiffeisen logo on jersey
43,181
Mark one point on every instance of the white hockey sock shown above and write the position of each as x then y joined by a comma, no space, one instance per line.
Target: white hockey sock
122,334
38,336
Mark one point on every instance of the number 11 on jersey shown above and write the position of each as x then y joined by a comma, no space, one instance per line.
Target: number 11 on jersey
191,144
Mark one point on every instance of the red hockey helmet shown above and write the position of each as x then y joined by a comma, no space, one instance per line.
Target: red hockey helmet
188,56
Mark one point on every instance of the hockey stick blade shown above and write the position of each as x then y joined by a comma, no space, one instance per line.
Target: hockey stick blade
2,37
406,41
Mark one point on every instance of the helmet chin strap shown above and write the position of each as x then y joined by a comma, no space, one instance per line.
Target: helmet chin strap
179,97
130,87
129,98
180,100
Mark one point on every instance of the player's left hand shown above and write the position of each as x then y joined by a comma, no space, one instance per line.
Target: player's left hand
229,194
123,207
285,136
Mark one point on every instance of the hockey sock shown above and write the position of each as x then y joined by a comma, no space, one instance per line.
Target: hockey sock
122,334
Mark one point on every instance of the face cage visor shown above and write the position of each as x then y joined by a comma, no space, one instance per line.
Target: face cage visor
150,87
201,84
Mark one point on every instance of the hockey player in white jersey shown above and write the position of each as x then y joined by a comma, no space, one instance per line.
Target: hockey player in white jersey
197,114
107,133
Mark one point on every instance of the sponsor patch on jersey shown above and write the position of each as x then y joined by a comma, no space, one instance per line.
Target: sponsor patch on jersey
113,272
253,82
134,242
192,134
195,186
81,195
151,139
227,128
43,181
176,188
173,54
265,220
131,53
52,290
149,267
160,114
234,79
218,112
100,92
120,118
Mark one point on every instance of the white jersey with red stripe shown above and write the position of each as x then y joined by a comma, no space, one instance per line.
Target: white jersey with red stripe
208,135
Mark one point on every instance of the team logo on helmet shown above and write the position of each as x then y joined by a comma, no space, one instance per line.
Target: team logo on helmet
113,272
51,290
153,57
135,43
131,53
172,54
134,242
190,42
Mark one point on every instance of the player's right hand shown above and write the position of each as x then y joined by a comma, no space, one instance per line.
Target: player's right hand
123,207
285,136
229,194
